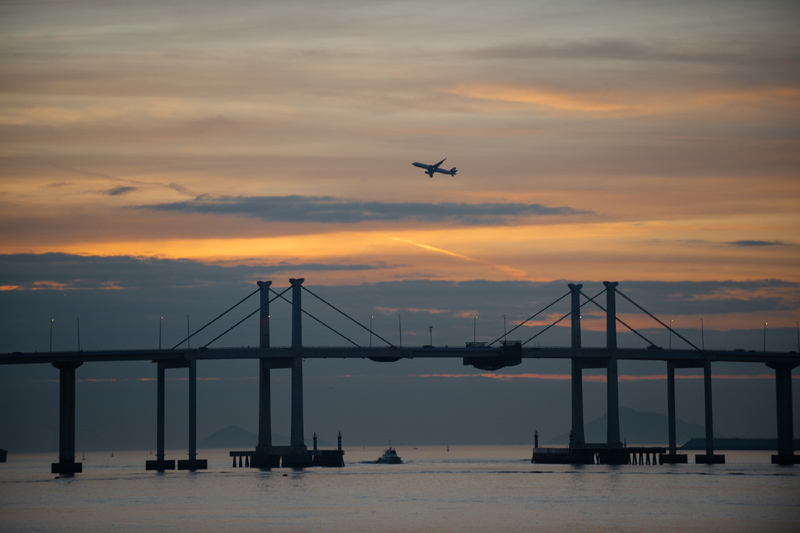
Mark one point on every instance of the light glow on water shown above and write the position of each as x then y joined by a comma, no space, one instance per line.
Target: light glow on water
469,488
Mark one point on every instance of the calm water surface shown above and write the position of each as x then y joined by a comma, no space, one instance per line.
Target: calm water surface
469,488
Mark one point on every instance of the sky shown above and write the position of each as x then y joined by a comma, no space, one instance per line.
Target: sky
157,158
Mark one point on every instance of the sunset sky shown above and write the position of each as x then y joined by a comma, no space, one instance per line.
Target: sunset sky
157,146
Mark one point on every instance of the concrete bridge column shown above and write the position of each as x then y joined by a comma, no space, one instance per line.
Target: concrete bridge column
160,464
193,409
709,457
66,421
612,375
783,394
577,371
192,463
673,439
160,408
672,456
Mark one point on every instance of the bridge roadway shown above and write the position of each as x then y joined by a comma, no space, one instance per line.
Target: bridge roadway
391,354
474,354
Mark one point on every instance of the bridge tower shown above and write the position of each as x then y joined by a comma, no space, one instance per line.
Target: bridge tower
612,375
577,369
264,456
298,455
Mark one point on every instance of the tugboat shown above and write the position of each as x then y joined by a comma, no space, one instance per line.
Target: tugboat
390,456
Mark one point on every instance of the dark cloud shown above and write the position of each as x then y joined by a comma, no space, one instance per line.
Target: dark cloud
757,244
180,188
327,209
119,191
60,271
739,244
631,50
122,189
121,297
713,297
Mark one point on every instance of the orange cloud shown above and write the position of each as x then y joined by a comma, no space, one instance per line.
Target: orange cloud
554,99
637,102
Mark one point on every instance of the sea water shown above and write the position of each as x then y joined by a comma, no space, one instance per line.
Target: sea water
468,488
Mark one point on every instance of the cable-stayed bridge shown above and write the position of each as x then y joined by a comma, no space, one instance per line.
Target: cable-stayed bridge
486,356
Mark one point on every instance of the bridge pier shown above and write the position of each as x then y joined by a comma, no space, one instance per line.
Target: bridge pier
192,463
66,464
783,394
709,457
672,457
160,464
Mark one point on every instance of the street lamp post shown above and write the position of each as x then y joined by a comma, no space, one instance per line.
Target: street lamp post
670,334
765,337
702,336
474,328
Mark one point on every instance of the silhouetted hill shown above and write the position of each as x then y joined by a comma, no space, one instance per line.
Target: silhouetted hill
636,427
232,437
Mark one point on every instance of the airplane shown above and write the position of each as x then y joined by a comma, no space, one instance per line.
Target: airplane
430,169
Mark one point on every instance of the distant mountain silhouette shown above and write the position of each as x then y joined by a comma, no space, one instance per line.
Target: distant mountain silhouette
230,437
636,427
235,437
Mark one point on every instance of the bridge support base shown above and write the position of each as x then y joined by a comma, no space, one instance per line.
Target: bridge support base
265,460
673,459
66,467
192,464
709,459
160,465
329,458
297,460
786,459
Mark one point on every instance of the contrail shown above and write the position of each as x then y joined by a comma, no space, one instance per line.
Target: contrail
514,271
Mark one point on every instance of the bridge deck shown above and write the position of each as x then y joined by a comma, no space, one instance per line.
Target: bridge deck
390,354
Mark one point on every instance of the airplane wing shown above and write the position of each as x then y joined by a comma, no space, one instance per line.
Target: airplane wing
439,163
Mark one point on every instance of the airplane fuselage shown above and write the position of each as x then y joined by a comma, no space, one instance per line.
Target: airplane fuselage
431,169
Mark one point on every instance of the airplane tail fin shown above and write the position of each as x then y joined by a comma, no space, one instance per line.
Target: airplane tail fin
453,171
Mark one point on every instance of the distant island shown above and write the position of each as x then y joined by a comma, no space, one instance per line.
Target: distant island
637,427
